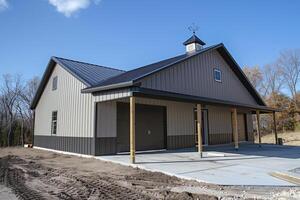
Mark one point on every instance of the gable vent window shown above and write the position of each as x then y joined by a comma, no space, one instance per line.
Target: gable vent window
54,123
218,75
54,83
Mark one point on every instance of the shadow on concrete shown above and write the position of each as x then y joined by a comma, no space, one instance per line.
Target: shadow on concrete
264,150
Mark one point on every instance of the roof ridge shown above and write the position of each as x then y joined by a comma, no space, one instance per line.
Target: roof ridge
156,62
88,63
188,55
138,68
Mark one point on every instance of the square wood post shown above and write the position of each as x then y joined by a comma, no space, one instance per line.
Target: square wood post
275,128
258,127
235,129
199,129
132,129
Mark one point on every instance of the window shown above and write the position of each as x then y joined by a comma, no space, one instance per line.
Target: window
217,75
54,123
54,83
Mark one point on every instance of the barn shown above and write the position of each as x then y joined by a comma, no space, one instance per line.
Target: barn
196,99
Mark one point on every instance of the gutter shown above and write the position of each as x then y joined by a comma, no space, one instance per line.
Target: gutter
107,87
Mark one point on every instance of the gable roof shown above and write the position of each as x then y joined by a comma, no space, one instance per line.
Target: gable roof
131,78
89,74
138,73
98,78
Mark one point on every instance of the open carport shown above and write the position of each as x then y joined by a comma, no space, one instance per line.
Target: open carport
250,165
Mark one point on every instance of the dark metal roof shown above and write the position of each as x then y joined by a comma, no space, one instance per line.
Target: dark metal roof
138,73
99,78
89,74
132,77
194,39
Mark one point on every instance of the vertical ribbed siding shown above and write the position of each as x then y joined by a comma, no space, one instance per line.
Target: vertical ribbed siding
220,127
219,120
70,144
180,117
250,127
75,110
107,119
112,95
195,77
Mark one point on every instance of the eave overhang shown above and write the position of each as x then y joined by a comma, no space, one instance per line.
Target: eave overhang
163,95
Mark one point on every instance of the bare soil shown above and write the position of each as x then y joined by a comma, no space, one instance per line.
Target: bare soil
289,138
37,174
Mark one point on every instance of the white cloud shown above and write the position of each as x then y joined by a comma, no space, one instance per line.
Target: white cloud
69,7
3,4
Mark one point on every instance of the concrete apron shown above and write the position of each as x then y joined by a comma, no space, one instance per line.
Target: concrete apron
250,165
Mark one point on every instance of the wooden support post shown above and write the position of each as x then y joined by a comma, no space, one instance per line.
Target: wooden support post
199,129
258,127
132,129
275,128
235,129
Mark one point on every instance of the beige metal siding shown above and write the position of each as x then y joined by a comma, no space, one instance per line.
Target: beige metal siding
241,127
75,110
195,77
250,127
111,95
219,120
180,117
220,127
107,119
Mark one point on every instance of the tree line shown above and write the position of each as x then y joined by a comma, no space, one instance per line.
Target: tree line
16,118
278,83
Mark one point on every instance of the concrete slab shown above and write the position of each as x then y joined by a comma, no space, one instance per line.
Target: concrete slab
250,165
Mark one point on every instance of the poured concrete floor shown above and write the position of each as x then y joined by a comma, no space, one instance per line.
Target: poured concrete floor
250,165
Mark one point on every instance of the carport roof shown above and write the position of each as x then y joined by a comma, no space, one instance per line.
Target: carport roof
157,94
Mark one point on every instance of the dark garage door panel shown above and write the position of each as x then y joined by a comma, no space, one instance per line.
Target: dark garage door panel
150,127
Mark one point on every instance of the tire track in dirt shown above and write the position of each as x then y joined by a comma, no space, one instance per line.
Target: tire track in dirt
14,179
28,179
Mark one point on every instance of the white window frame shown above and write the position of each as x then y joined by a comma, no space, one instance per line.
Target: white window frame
54,83
53,123
216,70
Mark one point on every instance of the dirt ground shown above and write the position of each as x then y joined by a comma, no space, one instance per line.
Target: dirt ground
289,138
38,174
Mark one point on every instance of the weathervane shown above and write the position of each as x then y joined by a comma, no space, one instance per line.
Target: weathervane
193,28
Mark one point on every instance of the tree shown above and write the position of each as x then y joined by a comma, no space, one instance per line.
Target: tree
286,119
10,90
272,79
26,114
255,76
289,64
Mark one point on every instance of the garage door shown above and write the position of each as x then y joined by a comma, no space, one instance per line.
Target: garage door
242,127
150,127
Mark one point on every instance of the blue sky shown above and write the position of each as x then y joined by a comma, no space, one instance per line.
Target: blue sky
127,34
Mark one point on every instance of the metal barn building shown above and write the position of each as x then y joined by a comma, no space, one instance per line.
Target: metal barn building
201,97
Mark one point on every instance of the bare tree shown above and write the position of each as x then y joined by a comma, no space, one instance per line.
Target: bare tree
273,79
26,97
289,63
10,90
